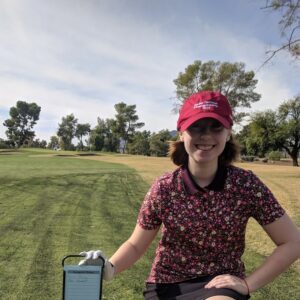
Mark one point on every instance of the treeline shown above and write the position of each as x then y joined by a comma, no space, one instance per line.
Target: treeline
271,132
117,134
264,132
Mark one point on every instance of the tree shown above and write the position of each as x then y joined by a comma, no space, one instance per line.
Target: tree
54,143
275,130
66,131
98,134
260,135
140,143
289,129
81,131
4,144
230,79
104,136
126,122
159,143
37,143
111,139
289,26
23,117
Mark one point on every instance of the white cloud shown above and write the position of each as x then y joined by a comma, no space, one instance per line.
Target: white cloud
83,57
86,70
277,81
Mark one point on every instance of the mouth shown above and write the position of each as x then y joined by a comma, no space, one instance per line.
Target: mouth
204,147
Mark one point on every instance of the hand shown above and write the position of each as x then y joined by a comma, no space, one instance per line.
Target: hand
92,258
229,281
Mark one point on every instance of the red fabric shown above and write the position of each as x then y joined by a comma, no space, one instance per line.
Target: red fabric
205,104
203,233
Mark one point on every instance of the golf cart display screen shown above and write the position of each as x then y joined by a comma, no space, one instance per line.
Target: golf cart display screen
82,282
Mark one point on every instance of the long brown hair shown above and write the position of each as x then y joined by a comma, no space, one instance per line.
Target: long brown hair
180,157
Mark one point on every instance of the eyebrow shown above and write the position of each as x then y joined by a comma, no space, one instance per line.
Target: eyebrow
205,123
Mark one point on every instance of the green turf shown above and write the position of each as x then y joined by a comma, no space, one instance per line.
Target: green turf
53,206
285,287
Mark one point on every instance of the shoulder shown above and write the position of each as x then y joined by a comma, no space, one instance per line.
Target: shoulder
239,173
162,187
169,178
248,182
234,170
168,182
241,177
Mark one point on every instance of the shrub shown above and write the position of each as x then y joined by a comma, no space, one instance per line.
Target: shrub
274,155
4,144
247,157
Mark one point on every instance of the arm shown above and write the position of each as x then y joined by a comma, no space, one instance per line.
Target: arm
131,250
286,236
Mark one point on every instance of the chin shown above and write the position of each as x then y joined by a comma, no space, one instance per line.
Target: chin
205,160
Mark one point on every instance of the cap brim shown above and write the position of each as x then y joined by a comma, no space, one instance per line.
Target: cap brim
185,125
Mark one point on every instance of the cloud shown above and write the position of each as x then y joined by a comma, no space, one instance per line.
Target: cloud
277,81
83,69
83,57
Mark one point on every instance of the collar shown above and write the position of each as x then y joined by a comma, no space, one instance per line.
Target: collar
216,185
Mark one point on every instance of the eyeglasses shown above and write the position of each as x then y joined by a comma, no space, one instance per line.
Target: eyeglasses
203,126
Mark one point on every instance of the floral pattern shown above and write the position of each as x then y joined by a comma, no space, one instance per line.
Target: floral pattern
203,233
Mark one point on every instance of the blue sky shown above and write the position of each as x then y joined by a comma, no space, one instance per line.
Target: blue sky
83,57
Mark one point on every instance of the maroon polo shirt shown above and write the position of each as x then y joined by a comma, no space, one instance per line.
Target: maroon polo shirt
203,229
216,185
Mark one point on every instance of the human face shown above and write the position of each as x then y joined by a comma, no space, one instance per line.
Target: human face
205,140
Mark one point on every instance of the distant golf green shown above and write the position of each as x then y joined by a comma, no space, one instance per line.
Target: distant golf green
53,205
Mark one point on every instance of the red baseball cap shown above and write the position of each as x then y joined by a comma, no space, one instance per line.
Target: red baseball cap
206,104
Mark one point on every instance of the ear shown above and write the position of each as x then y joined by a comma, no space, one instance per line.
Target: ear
229,136
181,136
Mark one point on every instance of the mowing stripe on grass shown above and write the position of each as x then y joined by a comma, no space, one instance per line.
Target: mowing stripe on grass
282,288
47,217
53,206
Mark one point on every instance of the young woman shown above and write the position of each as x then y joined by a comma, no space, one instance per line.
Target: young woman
202,209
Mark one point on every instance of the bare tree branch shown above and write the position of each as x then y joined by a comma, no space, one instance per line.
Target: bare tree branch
274,52
291,14
291,35
289,19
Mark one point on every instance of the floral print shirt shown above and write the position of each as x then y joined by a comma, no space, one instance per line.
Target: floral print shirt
203,230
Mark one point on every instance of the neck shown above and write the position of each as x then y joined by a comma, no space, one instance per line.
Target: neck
203,174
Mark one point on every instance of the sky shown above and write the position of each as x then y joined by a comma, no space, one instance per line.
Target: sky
84,56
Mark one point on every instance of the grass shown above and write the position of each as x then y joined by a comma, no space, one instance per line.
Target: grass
281,179
53,205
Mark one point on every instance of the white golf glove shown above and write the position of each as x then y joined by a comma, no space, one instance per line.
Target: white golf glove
92,258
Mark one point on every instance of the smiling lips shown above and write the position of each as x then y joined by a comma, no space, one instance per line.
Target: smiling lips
204,147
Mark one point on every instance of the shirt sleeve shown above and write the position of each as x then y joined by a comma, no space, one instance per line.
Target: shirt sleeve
149,216
266,209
